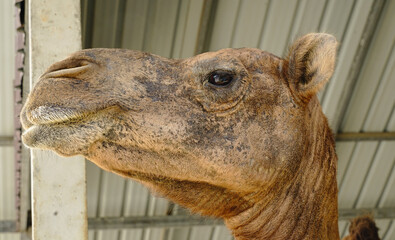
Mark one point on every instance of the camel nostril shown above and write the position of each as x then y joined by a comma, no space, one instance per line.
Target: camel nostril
67,72
71,67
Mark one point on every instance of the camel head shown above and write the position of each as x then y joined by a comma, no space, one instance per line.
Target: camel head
213,132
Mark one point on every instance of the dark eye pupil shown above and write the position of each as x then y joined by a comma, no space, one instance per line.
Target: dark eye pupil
220,78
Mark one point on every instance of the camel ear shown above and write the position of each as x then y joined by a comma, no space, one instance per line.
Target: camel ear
310,64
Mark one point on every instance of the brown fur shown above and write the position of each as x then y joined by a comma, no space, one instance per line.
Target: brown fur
257,152
363,228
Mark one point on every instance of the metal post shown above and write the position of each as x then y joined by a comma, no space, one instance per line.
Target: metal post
58,184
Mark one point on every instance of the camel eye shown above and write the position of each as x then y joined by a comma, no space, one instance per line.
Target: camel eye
220,78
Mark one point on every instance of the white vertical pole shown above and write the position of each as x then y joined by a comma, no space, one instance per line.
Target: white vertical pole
58,184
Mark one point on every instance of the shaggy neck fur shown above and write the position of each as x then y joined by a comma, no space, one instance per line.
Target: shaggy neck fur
306,207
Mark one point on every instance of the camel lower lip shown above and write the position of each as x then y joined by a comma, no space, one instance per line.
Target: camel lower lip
33,136
50,137
28,136
39,135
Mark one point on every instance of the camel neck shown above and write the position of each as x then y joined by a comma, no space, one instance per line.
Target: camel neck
306,207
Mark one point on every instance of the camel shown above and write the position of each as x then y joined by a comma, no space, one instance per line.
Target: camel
237,134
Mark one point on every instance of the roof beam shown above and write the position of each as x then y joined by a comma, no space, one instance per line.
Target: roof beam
173,221
179,221
7,226
376,213
365,136
6,140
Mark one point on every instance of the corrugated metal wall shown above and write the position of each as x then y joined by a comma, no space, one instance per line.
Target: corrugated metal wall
7,170
178,29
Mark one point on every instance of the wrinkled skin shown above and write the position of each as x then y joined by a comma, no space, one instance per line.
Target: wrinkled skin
257,152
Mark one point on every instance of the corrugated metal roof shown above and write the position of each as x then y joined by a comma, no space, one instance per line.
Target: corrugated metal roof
171,28
366,169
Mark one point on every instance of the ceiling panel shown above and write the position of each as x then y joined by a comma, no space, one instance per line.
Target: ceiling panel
334,94
277,26
224,23
250,13
374,77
